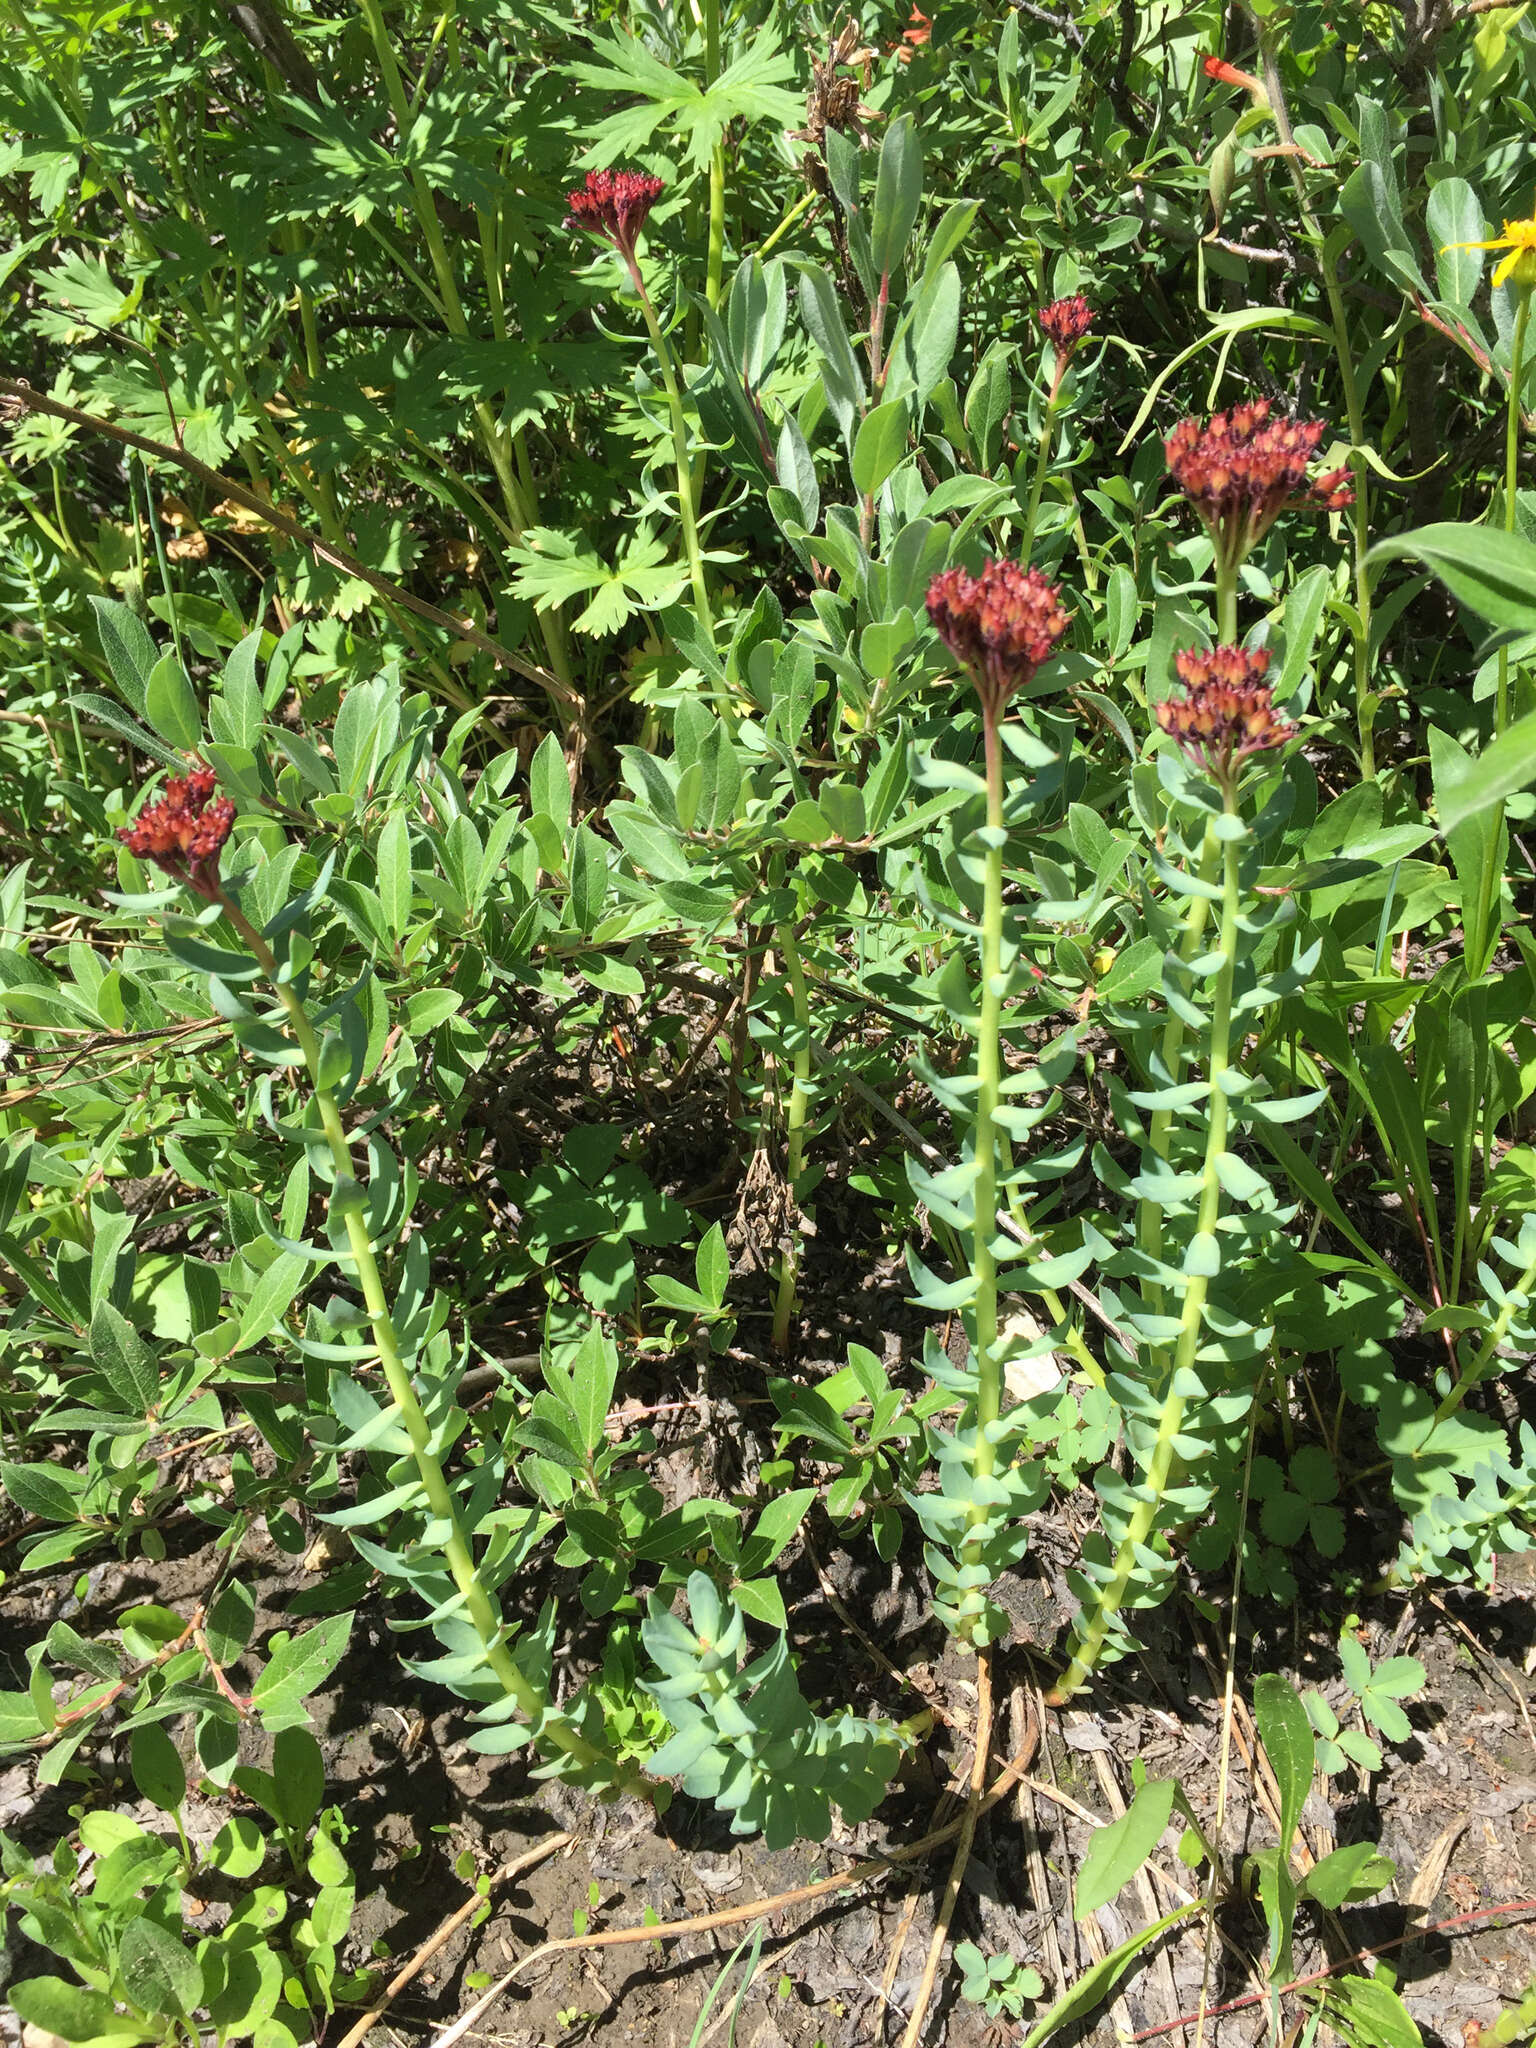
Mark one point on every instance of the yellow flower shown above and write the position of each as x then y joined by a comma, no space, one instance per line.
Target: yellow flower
1519,238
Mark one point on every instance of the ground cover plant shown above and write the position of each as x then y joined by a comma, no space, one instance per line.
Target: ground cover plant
766,779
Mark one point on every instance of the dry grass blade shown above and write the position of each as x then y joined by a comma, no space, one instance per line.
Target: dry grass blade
1034,1860
962,1856
1430,1875
948,1805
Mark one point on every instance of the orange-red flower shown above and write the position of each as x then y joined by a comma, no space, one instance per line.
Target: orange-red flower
185,832
614,204
1228,74
1000,626
917,32
1065,321
1227,710
1244,469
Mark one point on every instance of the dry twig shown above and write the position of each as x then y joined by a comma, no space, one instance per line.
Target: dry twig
429,1948
962,1856
752,1909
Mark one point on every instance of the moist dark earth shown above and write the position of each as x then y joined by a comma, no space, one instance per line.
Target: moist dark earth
1455,1808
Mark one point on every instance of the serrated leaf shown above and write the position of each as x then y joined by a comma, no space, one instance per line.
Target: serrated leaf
749,89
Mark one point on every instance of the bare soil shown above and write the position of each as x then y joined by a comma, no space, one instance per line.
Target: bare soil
1455,1809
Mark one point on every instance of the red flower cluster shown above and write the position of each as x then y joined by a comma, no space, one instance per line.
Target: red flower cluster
1000,626
1243,470
184,833
1065,322
1227,711
614,204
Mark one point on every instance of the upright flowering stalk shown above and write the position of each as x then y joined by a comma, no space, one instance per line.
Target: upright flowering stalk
1240,473
1223,717
614,205
184,833
1065,323
1000,626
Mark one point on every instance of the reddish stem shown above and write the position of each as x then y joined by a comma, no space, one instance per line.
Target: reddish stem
1360,1955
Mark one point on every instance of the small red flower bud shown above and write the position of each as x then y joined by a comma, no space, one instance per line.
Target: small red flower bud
1227,710
1244,469
614,204
1000,626
185,832
1065,321
1334,492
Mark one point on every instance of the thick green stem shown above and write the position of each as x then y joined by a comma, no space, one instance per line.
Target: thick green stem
1094,1629
351,1199
158,538
496,302
421,192
19,495
1226,603
686,502
879,369
794,1125
715,267
1042,462
1149,1214
984,1137
714,274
